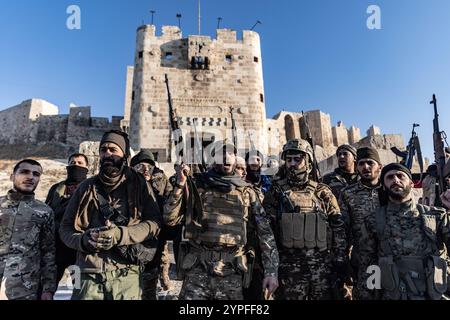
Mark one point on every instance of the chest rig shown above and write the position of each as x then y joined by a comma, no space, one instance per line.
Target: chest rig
224,217
307,226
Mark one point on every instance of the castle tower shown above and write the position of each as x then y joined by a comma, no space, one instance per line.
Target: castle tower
207,77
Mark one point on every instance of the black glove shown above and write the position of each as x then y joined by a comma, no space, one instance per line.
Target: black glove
87,242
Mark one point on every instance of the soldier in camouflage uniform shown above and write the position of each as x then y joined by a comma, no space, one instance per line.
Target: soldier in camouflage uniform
309,229
57,198
261,184
406,240
214,256
144,163
27,239
345,174
356,202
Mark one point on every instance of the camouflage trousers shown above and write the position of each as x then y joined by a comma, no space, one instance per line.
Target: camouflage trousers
122,284
360,290
304,275
198,284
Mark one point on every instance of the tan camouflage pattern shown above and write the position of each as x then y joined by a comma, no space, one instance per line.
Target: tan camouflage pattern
27,247
218,276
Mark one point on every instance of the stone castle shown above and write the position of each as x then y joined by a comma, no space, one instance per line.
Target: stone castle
208,77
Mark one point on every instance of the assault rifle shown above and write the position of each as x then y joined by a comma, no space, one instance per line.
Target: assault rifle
315,170
439,153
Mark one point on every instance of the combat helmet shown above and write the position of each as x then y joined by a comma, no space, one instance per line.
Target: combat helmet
297,145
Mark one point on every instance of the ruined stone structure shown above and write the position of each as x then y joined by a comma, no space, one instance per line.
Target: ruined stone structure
37,121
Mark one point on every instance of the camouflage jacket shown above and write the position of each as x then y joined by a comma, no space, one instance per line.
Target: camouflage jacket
404,234
356,202
404,227
160,185
27,247
338,180
175,207
329,206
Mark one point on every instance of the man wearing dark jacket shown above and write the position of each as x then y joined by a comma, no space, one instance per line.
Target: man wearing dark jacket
58,198
144,163
111,221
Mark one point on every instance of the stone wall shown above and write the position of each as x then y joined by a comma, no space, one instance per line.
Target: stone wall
340,134
35,122
19,123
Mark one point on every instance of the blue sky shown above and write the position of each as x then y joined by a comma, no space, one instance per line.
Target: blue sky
317,54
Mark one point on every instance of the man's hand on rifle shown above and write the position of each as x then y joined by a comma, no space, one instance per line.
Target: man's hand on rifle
182,171
445,198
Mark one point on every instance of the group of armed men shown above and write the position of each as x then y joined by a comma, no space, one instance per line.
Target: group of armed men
238,234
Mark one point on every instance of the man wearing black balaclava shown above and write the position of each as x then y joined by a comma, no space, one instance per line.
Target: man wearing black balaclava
112,221
57,198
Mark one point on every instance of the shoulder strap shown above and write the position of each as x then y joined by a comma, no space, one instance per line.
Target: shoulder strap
60,190
380,223
429,223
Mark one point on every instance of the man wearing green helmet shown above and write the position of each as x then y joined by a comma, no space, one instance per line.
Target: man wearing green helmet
308,226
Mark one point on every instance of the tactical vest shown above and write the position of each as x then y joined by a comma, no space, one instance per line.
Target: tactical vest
307,227
413,277
224,217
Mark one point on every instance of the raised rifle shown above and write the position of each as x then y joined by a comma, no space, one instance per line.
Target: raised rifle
412,149
233,131
315,170
439,153
194,208
198,148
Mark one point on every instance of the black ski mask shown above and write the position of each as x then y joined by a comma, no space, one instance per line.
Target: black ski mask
76,174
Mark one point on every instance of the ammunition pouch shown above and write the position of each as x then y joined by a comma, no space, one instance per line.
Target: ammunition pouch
436,277
408,278
305,230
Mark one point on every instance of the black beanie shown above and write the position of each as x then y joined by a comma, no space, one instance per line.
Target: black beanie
144,155
119,138
394,166
368,153
348,148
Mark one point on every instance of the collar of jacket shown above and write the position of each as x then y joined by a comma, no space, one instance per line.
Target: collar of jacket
18,196
363,186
